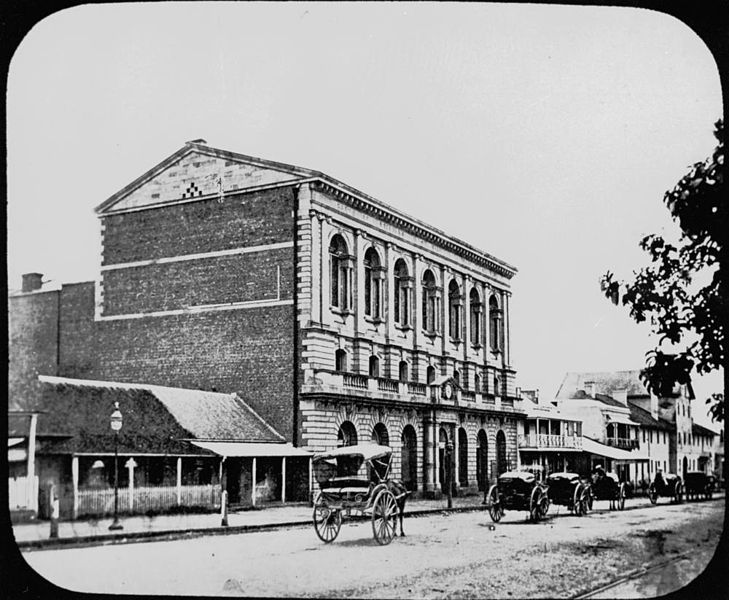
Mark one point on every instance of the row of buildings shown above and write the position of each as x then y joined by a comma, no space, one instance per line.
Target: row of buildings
248,313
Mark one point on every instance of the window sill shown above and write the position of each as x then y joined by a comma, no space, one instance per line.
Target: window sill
341,311
374,320
430,334
455,341
476,347
403,327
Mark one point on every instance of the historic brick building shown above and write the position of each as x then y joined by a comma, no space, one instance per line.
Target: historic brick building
336,317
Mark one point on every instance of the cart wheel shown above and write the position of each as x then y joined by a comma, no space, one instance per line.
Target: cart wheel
585,499
384,515
535,505
544,505
576,507
652,493
621,497
327,521
495,509
678,492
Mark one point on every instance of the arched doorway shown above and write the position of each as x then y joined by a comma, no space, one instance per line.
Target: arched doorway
502,464
347,435
685,467
409,458
380,435
462,457
482,461
442,442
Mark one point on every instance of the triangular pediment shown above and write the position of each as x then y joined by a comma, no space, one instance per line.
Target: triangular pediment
197,170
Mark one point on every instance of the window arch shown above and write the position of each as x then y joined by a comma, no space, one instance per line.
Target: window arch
347,435
373,275
340,274
340,360
495,324
409,458
454,310
430,303
475,310
482,461
430,374
380,435
457,376
502,463
402,293
374,366
403,371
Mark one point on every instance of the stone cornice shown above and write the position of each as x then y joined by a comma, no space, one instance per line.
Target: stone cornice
364,203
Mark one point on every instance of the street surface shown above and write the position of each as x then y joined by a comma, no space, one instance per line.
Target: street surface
455,556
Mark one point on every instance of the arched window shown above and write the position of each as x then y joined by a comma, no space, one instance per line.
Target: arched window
477,383
340,360
403,371
442,473
340,274
482,461
462,457
497,386
454,310
373,276
374,366
380,435
431,303
347,435
457,376
402,293
475,323
409,458
495,324
501,462
430,374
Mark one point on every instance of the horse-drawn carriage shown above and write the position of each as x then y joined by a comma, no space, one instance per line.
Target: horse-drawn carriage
607,486
699,485
518,490
345,490
668,485
568,489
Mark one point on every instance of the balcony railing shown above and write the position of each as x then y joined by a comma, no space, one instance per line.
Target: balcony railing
468,395
419,389
355,381
388,385
543,440
624,443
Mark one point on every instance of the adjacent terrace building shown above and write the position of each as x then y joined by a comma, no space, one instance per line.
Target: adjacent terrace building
335,317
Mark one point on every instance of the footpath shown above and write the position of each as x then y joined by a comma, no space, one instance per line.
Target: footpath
36,534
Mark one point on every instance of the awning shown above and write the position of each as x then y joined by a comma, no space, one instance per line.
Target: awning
622,419
594,447
250,449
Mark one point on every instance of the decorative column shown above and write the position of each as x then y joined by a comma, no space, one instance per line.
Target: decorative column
359,283
507,329
428,456
456,456
389,300
74,479
316,275
130,464
466,317
444,322
324,291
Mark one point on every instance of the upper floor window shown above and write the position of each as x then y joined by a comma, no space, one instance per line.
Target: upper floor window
457,377
402,293
430,374
454,310
475,310
497,386
374,366
495,324
340,274
403,371
373,276
340,360
477,383
431,303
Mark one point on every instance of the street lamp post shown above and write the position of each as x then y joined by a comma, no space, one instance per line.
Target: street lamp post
116,425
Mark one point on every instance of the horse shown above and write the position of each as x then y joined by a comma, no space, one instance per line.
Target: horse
401,494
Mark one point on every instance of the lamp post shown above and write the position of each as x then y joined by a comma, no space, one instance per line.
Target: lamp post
116,425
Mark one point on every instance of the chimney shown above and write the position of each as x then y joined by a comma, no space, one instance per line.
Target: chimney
32,282
591,388
621,396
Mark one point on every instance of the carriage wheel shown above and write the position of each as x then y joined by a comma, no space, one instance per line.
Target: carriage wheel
544,505
576,507
535,505
496,511
580,501
678,492
652,493
621,497
384,517
327,521
586,499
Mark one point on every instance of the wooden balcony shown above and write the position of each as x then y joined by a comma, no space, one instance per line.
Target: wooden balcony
543,441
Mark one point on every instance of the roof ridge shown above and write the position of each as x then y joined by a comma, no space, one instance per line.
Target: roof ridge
259,417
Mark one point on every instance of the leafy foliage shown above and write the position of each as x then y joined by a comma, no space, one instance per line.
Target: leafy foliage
684,291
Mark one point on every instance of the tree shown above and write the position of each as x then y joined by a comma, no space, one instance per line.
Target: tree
684,291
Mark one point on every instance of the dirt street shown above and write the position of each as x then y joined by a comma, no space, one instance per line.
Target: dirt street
444,556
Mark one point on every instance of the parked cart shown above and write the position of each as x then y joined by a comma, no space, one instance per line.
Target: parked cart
668,485
518,490
699,485
568,489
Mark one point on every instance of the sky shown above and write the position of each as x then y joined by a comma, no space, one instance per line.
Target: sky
544,135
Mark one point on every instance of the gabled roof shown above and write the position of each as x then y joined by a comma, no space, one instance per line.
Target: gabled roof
222,171
603,398
605,382
155,418
645,419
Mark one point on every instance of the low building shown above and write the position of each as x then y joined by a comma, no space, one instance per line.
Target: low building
177,448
